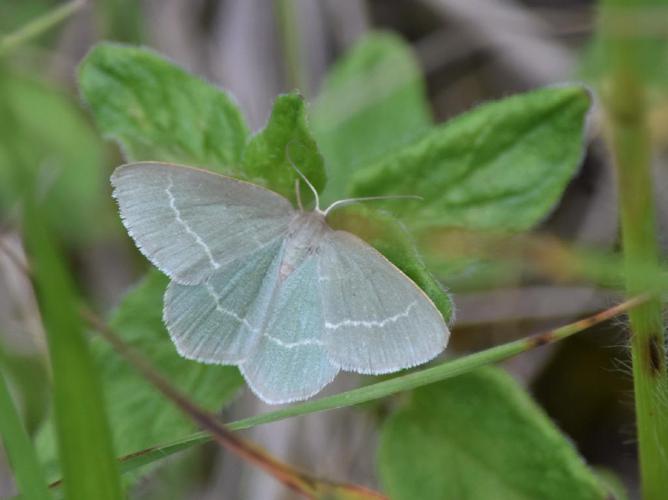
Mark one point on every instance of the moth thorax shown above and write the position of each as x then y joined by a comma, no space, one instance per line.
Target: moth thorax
303,240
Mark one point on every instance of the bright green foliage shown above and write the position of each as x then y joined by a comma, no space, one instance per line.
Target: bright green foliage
158,111
501,166
140,416
286,137
477,436
84,440
45,132
16,443
372,102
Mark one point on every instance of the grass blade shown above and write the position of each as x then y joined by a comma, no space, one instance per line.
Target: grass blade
18,446
39,25
84,439
442,371
292,478
627,96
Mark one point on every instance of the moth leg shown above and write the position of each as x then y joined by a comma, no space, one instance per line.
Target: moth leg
298,194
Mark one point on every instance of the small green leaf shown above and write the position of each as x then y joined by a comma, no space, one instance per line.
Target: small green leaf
372,102
390,237
158,111
501,166
476,436
56,146
286,137
139,415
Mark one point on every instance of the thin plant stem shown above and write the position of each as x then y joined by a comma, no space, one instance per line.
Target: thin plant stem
289,32
27,470
39,25
413,380
626,107
292,478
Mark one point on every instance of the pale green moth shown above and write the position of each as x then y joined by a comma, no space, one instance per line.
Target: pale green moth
270,288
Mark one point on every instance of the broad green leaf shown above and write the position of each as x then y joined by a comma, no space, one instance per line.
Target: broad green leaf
372,102
390,238
158,111
28,473
285,138
85,449
502,166
476,436
140,416
44,127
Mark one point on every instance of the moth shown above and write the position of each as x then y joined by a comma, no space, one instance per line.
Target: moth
271,288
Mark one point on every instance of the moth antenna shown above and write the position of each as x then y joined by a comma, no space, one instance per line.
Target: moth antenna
350,201
308,183
298,195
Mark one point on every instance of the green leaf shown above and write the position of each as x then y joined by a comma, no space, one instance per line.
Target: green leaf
58,147
390,237
84,439
502,166
158,111
27,470
372,102
140,416
286,137
476,436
